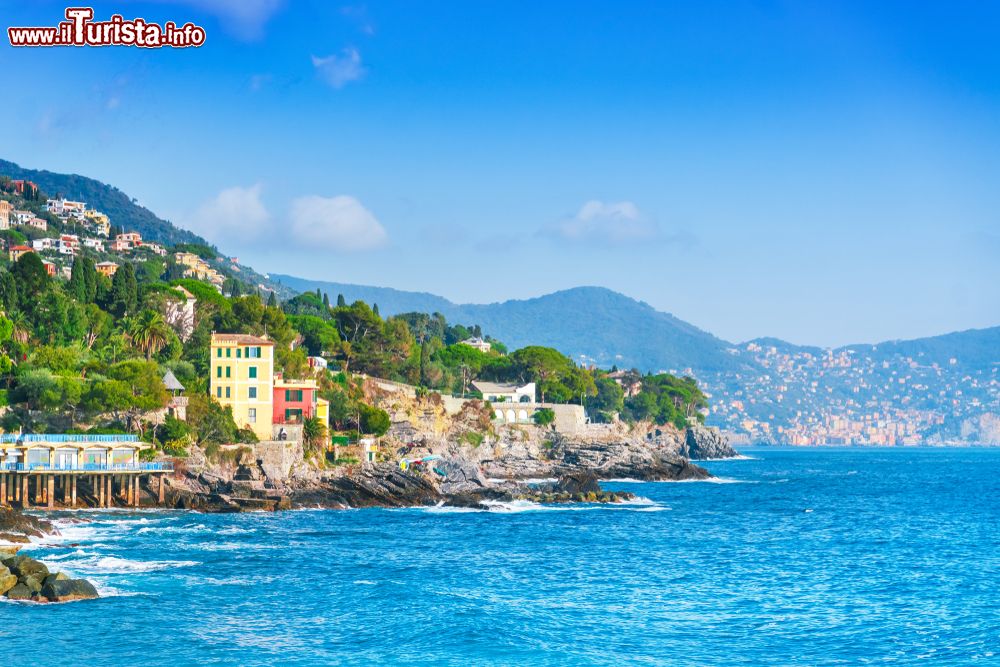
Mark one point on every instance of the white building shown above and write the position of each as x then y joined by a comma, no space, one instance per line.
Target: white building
478,343
506,393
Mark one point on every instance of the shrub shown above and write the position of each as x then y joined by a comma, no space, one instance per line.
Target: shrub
472,438
544,416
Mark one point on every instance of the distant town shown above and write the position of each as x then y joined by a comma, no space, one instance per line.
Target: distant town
857,396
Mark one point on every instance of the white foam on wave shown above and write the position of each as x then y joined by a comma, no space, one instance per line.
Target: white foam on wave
364,582
172,529
234,530
738,457
116,565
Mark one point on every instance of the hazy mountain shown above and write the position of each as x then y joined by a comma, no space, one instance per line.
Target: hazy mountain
591,324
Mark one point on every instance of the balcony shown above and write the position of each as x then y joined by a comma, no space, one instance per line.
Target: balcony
149,466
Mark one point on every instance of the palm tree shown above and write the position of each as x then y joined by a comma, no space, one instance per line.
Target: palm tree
148,332
314,432
22,330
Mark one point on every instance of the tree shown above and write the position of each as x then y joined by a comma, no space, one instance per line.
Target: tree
149,332
77,286
30,277
543,365
8,291
341,302
123,300
544,416
326,300
374,421
314,433
272,300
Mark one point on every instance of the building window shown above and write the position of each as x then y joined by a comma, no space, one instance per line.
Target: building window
253,352
253,371
239,351
229,352
293,395
218,392
252,415
293,416
218,371
218,351
227,392
228,369
253,392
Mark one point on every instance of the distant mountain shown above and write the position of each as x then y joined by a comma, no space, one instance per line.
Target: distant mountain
120,208
590,324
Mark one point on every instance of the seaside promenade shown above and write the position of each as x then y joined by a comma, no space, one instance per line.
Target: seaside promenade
36,470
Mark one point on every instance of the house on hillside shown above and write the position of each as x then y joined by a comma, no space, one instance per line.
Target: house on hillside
180,314
478,343
18,251
505,393
133,238
38,223
298,400
120,245
107,269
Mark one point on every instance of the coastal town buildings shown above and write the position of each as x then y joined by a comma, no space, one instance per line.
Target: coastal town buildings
241,376
107,269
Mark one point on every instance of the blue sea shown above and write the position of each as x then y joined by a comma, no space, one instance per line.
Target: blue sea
790,557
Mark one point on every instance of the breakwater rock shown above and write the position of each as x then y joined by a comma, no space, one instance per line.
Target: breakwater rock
24,578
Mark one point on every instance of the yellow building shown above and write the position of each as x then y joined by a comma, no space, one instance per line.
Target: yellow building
242,377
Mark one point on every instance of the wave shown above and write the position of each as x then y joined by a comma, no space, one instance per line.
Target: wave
116,565
365,582
172,529
738,457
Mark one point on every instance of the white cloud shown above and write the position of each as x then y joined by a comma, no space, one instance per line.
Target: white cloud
244,19
614,222
335,223
338,71
235,214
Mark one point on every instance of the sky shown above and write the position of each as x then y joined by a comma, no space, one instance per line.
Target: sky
826,173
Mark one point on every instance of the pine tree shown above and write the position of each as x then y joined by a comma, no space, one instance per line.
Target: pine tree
89,280
272,300
341,302
375,309
77,286
123,299
326,299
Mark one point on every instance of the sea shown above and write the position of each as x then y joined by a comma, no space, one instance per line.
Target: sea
788,557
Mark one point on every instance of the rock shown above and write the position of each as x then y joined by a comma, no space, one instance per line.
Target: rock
19,592
584,481
58,576
460,475
15,522
65,590
23,566
630,458
33,583
702,443
7,580
381,485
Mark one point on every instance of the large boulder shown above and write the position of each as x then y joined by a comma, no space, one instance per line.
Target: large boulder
7,580
65,590
459,475
33,583
23,566
702,443
19,592
580,482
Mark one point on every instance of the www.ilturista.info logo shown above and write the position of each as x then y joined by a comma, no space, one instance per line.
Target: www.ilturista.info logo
79,29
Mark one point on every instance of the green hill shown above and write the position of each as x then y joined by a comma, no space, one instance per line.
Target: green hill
120,208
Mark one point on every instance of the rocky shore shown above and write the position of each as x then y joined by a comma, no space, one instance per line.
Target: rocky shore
26,579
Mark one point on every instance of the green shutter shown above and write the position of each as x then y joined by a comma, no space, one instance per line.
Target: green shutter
218,371
239,350
227,371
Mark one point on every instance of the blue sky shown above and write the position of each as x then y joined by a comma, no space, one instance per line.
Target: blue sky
822,172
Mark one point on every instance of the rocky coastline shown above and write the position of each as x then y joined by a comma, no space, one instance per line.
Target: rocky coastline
26,579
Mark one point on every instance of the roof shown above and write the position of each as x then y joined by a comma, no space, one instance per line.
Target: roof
171,382
105,264
239,339
497,388
21,247
286,384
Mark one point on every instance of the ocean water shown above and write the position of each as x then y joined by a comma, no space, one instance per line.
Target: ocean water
792,557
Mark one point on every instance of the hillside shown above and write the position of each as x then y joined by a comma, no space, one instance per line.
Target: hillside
122,210
605,328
